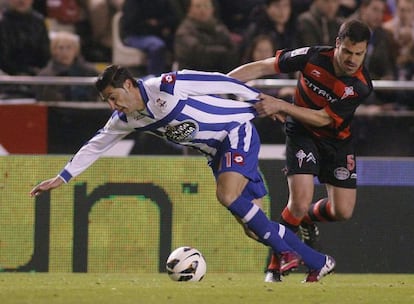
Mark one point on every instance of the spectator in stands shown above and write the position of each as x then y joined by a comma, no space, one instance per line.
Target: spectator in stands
149,25
66,61
274,18
203,42
348,7
99,14
90,19
402,28
236,14
24,40
381,53
262,47
24,45
320,24
301,6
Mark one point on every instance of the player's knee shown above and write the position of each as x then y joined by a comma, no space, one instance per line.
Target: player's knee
226,198
343,215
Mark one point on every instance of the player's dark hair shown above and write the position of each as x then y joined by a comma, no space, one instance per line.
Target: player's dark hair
115,76
355,30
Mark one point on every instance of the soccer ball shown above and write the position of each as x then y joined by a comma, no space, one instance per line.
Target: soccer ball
186,264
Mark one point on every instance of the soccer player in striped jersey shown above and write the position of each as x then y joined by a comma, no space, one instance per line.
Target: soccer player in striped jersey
180,107
332,83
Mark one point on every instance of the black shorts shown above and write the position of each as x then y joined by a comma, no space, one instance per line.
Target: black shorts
333,162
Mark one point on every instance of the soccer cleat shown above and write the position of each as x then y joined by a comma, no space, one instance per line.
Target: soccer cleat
272,276
310,235
288,261
316,274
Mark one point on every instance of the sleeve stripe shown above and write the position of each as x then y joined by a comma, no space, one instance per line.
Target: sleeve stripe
65,175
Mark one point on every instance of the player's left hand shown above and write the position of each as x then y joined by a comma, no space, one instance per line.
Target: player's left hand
270,106
46,185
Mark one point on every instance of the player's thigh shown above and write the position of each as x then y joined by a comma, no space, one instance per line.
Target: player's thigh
338,164
301,188
302,155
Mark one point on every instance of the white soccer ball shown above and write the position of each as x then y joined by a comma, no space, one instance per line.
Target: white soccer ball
186,264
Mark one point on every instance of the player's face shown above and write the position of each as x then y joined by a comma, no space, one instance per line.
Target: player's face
349,56
121,99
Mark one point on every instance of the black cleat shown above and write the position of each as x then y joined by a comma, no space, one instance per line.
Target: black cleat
309,234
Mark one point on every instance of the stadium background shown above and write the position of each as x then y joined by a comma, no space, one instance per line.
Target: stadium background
127,214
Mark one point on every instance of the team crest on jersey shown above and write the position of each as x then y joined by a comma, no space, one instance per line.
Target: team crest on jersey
161,103
301,156
349,91
185,131
168,78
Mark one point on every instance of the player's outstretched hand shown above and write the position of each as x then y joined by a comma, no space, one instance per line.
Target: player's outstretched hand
46,185
270,106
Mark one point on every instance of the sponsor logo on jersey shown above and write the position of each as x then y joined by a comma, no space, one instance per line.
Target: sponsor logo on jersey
184,131
168,78
341,173
301,155
319,91
301,51
238,159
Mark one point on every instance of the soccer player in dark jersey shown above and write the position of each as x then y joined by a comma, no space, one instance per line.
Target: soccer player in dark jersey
332,83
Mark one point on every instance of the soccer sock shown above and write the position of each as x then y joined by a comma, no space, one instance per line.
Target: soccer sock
321,211
274,262
289,220
312,258
257,221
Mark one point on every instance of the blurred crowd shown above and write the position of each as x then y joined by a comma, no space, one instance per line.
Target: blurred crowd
74,38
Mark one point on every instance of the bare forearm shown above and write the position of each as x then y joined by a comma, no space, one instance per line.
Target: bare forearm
316,118
269,106
253,70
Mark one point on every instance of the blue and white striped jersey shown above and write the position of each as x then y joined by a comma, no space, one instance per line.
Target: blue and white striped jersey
183,107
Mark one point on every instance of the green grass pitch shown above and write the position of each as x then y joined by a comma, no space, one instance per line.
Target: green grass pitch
215,288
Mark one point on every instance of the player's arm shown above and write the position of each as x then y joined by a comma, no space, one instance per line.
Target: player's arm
46,185
85,157
197,83
270,106
254,70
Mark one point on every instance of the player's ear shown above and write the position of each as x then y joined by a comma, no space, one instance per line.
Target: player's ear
337,42
127,85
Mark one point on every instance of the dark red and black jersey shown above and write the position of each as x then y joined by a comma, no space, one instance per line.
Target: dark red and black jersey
318,87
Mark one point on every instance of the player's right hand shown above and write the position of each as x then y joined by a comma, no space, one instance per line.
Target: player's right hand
46,185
